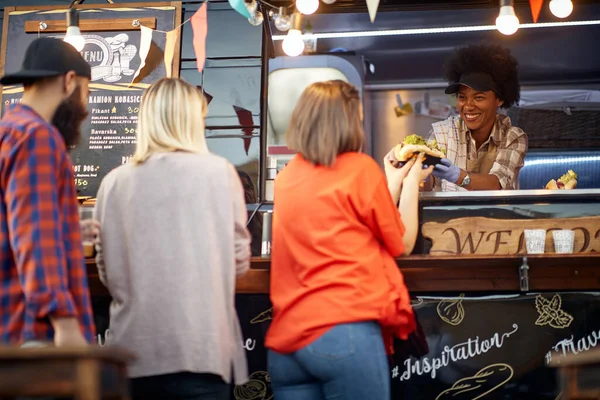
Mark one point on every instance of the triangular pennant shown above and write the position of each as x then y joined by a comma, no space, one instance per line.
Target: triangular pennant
207,96
240,6
145,42
536,8
247,123
172,37
372,5
200,28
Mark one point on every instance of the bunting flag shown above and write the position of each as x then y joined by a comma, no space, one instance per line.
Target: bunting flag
207,95
246,121
372,6
244,118
145,42
200,28
172,37
240,7
536,8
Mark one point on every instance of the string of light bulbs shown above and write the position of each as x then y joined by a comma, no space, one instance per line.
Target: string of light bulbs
425,31
293,43
507,23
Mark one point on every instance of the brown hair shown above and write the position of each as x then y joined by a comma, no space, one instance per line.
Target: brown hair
326,122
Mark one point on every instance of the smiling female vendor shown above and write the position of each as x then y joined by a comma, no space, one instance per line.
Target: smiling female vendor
484,151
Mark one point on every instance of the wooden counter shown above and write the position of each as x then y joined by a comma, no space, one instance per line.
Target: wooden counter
426,274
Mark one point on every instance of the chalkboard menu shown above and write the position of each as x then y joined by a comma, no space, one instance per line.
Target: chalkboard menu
109,131
480,347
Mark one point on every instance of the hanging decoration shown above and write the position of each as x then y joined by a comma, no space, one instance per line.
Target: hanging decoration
200,28
372,6
240,7
172,37
145,42
207,95
245,120
536,8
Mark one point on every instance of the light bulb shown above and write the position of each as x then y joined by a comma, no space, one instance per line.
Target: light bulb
252,7
257,19
328,1
283,22
293,45
561,8
507,22
307,7
74,38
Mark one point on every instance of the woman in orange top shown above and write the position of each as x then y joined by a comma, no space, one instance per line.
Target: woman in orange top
335,287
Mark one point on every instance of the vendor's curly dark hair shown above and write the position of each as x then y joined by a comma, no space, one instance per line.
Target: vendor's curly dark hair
493,59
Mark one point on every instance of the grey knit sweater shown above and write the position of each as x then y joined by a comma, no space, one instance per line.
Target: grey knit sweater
173,240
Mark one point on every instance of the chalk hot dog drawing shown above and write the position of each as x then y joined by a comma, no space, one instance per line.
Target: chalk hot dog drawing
482,383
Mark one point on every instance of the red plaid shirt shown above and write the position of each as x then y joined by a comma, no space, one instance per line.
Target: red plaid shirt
42,268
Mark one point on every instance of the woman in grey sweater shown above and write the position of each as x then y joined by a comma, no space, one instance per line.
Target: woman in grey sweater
173,241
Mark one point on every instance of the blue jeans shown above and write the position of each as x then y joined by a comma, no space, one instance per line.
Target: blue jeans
347,362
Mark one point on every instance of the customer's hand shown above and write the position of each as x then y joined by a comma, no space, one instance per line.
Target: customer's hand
446,170
392,161
67,332
90,231
69,338
393,174
418,173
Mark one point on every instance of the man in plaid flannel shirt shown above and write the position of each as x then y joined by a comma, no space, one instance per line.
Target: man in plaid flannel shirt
45,295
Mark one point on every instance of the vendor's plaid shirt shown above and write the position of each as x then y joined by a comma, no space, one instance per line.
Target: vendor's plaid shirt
511,142
42,269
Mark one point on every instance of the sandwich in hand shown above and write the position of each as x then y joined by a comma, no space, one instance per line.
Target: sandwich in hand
413,145
567,181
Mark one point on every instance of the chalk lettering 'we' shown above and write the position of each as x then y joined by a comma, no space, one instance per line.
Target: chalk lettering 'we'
248,344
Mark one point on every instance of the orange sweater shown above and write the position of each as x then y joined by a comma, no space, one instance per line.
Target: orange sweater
336,232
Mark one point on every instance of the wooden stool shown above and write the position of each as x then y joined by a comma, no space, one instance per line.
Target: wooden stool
579,375
85,373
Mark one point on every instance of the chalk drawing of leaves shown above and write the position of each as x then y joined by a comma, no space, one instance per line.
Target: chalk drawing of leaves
562,320
543,319
540,302
550,312
555,303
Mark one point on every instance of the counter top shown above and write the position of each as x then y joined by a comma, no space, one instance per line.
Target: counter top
512,196
435,274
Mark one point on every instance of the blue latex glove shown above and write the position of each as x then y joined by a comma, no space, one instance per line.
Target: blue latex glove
446,170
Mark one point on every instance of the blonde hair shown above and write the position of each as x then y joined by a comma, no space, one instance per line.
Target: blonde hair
171,118
326,122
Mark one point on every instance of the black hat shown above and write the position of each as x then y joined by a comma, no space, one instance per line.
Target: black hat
46,58
479,81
